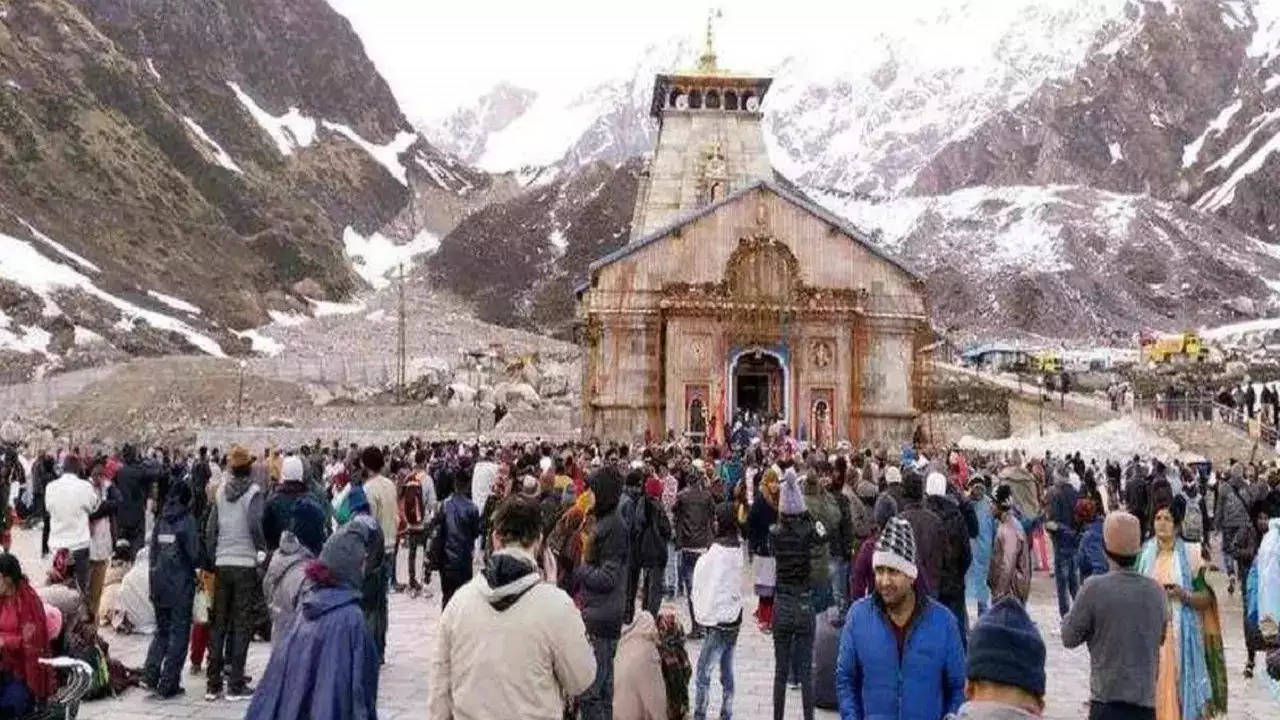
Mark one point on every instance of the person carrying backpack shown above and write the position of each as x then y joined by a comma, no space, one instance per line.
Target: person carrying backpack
652,555
417,498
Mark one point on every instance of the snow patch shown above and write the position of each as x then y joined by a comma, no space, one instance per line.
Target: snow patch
1241,328
21,263
1191,152
324,308
375,256
284,319
1225,193
62,249
1112,440
1116,153
85,336
176,303
151,68
558,240
388,156
376,316
261,344
12,84
541,135
219,155
290,131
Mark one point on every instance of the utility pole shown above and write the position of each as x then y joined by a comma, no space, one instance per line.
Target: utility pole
400,359
240,393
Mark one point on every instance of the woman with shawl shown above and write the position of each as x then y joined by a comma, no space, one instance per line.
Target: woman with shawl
763,514
1183,687
24,631
571,537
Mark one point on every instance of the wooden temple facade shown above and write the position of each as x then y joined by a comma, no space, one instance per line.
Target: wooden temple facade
737,294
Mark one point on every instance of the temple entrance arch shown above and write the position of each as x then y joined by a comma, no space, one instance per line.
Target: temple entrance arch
760,383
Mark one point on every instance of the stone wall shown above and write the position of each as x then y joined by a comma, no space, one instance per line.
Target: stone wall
945,428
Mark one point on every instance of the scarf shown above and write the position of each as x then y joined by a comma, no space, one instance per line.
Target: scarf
34,631
1194,689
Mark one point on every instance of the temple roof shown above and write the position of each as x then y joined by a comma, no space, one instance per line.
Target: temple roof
782,189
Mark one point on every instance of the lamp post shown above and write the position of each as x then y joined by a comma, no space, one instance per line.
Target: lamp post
240,391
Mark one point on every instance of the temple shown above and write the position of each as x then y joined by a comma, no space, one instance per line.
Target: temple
739,299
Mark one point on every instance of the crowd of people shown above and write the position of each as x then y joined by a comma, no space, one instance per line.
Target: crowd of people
889,583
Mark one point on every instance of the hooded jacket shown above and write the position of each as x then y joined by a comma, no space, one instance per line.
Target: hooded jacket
174,556
325,667
640,693
278,511
930,536
461,527
472,677
602,578
956,552
233,534
284,583
823,509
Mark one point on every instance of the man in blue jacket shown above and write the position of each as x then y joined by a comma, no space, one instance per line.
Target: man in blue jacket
901,655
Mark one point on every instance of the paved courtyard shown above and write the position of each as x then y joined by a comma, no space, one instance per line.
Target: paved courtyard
403,690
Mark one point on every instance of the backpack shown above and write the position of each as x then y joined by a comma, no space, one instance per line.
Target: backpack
657,531
436,532
413,505
1193,522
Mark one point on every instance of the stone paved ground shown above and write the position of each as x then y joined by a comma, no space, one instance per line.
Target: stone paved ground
403,691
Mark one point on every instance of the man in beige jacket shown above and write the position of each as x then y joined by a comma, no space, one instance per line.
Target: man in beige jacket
510,645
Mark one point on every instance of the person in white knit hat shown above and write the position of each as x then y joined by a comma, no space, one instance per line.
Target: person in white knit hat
900,652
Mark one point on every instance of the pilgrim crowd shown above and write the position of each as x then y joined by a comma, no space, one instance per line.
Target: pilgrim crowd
604,581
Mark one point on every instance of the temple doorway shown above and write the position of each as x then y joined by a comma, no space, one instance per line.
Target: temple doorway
759,387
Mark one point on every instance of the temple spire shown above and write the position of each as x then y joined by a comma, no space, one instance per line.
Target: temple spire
707,63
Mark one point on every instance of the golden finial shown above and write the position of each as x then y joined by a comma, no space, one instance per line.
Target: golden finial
707,63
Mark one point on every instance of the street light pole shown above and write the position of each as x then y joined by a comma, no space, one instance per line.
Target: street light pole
240,392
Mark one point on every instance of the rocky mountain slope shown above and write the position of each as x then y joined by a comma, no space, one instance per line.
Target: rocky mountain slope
173,172
1063,138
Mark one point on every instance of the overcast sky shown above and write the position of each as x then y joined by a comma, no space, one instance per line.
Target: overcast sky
439,54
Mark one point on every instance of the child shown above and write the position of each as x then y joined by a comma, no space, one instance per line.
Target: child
716,596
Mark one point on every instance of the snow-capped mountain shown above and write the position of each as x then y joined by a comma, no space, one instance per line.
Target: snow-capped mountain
1075,155
863,123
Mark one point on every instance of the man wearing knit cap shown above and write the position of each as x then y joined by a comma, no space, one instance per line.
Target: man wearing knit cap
956,554
901,654
1005,675
1122,616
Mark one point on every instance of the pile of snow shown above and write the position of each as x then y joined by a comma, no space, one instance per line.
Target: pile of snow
375,256
220,156
23,339
21,263
388,156
290,131
284,319
1111,440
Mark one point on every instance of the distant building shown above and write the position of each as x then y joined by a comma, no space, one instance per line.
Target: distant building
737,293
996,357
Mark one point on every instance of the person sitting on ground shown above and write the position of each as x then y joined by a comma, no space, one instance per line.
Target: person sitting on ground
326,663
24,633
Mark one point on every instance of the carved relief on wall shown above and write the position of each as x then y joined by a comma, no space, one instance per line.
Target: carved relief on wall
695,409
822,354
714,175
762,267
822,416
696,349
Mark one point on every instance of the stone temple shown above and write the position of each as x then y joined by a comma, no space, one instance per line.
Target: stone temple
738,296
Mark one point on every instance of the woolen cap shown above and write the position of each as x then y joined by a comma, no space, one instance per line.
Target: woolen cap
1122,534
896,548
1006,648
291,469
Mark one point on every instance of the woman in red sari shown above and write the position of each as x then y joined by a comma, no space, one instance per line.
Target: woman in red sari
24,635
